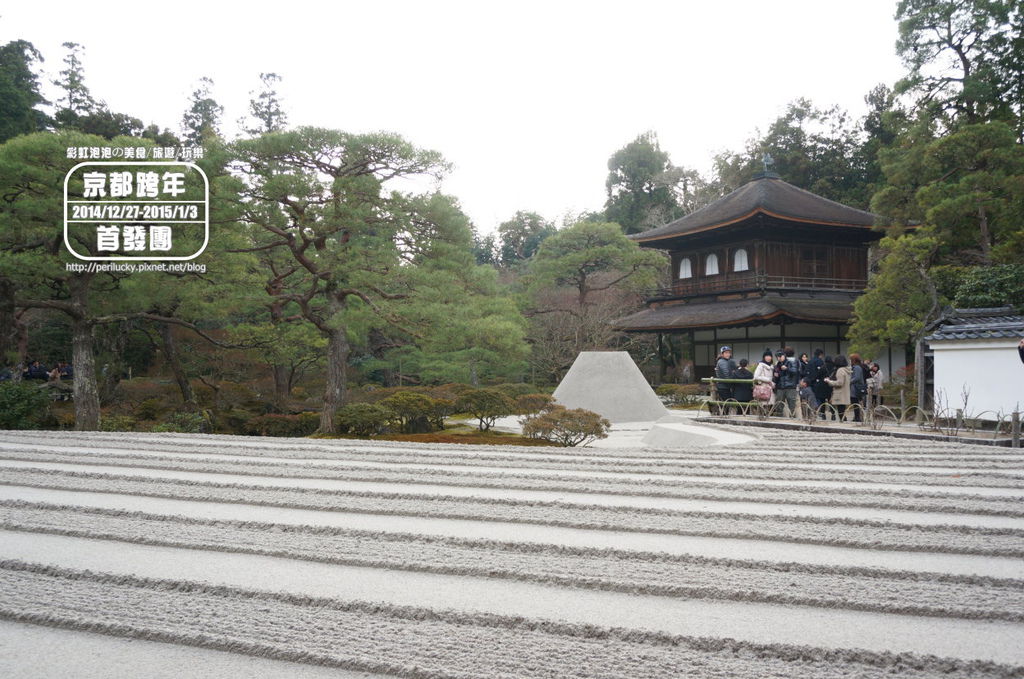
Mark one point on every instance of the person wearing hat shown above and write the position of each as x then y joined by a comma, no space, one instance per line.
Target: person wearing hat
724,369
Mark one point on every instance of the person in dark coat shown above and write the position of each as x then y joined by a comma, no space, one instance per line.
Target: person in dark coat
815,377
789,381
830,374
808,397
744,393
803,363
858,385
724,368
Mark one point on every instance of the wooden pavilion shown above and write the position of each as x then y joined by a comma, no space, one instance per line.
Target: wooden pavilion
766,266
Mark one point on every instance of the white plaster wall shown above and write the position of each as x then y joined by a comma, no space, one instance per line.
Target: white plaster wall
990,369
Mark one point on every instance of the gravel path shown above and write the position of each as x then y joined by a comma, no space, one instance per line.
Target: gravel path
795,556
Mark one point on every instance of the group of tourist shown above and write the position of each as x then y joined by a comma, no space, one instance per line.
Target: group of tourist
781,377
35,370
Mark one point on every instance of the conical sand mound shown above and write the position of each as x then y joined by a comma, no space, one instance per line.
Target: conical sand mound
610,384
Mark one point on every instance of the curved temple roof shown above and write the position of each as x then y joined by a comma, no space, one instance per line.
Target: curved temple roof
767,195
719,314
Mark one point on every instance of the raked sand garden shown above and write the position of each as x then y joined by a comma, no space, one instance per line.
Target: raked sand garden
793,555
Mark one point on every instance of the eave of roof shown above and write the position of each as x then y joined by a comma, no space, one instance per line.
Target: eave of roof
737,312
981,323
1007,327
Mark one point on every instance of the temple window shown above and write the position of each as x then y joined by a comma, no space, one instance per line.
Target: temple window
711,265
685,268
739,260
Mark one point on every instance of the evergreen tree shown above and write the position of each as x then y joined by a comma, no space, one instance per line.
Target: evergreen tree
19,91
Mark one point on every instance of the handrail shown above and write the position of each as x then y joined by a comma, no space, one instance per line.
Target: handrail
716,380
728,282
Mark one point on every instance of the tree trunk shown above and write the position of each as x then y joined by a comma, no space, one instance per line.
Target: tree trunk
986,244
282,385
7,321
87,397
174,361
337,360
21,344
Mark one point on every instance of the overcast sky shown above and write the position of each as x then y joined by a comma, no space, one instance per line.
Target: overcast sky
527,99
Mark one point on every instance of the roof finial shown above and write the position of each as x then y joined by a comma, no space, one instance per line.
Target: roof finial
767,160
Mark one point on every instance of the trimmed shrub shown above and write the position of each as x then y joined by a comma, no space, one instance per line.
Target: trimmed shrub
118,423
451,391
149,409
575,427
412,411
485,405
443,407
528,404
515,390
272,424
23,406
185,423
679,394
233,421
364,419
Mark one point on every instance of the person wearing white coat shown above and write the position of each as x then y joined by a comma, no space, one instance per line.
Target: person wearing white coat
763,374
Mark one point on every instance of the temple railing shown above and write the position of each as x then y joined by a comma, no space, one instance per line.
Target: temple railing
744,282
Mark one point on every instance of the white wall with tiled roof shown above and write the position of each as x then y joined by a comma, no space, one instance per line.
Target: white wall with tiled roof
988,370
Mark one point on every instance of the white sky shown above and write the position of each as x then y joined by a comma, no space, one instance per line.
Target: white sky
527,99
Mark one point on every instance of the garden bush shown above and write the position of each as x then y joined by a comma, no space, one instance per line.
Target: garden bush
363,419
118,423
413,412
23,406
149,409
528,404
235,421
513,391
485,405
680,394
567,427
451,391
443,408
186,423
272,424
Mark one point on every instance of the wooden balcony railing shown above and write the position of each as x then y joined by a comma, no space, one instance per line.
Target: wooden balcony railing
753,281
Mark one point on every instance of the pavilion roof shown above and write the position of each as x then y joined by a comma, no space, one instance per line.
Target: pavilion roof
767,195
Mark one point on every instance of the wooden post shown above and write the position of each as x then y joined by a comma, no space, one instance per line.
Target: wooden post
919,376
1015,429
